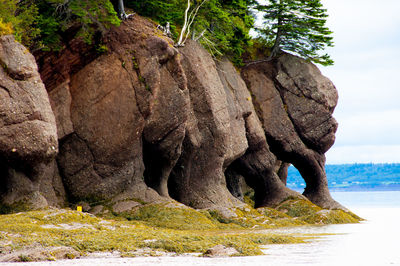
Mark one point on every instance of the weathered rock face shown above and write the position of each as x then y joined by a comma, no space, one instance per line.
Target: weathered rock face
146,122
310,99
295,104
256,165
28,136
209,146
132,97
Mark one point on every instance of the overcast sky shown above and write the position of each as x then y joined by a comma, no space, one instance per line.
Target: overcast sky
366,74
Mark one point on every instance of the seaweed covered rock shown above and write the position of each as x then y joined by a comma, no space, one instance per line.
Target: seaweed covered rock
28,134
304,210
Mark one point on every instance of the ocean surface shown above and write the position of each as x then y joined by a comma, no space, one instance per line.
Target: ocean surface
375,241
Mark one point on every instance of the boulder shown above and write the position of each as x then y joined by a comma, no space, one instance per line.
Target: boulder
221,251
310,99
28,134
27,126
104,154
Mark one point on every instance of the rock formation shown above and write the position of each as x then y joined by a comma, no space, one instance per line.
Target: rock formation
256,165
28,136
295,104
146,122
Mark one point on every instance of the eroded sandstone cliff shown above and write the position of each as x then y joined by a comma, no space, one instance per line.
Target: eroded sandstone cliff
146,122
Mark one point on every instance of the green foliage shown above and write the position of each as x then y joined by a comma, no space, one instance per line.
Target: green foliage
161,11
180,217
42,23
225,23
24,258
101,49
221,26
20,16
297,26
5,28
93,15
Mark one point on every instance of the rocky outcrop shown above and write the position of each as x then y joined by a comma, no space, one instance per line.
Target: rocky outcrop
146,122
295,104
215,134
128,114
28,136
256,165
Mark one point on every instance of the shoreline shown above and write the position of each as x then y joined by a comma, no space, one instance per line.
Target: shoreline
54,234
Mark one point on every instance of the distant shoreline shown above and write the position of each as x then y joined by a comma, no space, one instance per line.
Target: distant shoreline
357,188
354,177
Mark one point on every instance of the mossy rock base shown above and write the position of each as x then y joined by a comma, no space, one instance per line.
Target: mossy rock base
170,215
32,201
85,233
310,213
163,227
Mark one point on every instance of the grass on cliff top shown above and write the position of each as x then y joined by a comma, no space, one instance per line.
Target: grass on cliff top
161,227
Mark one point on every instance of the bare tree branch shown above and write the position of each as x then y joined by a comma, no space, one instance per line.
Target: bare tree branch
191,19
184,25
188,22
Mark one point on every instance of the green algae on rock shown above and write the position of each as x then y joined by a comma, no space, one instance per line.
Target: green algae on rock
310,213
86,233
163,227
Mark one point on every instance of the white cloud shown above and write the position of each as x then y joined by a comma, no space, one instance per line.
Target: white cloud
358,22
364,154
366,70
369,128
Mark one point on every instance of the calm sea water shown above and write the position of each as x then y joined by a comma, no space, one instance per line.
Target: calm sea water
375,241
372,242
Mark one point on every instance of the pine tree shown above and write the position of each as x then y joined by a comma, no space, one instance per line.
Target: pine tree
297,26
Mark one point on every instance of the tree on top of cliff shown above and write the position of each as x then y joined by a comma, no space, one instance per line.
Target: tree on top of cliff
297,26
225,24
41,23
57,16
18,17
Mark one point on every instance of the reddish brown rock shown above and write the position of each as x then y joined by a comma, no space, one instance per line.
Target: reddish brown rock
290,96
104,155
281,169
128,111
28,136
60,100
198,178
27,125
310,99
256,166
57,66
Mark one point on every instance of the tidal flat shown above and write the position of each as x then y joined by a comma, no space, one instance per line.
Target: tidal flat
157,229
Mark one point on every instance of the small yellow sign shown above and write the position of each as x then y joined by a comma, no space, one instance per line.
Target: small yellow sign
79,208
